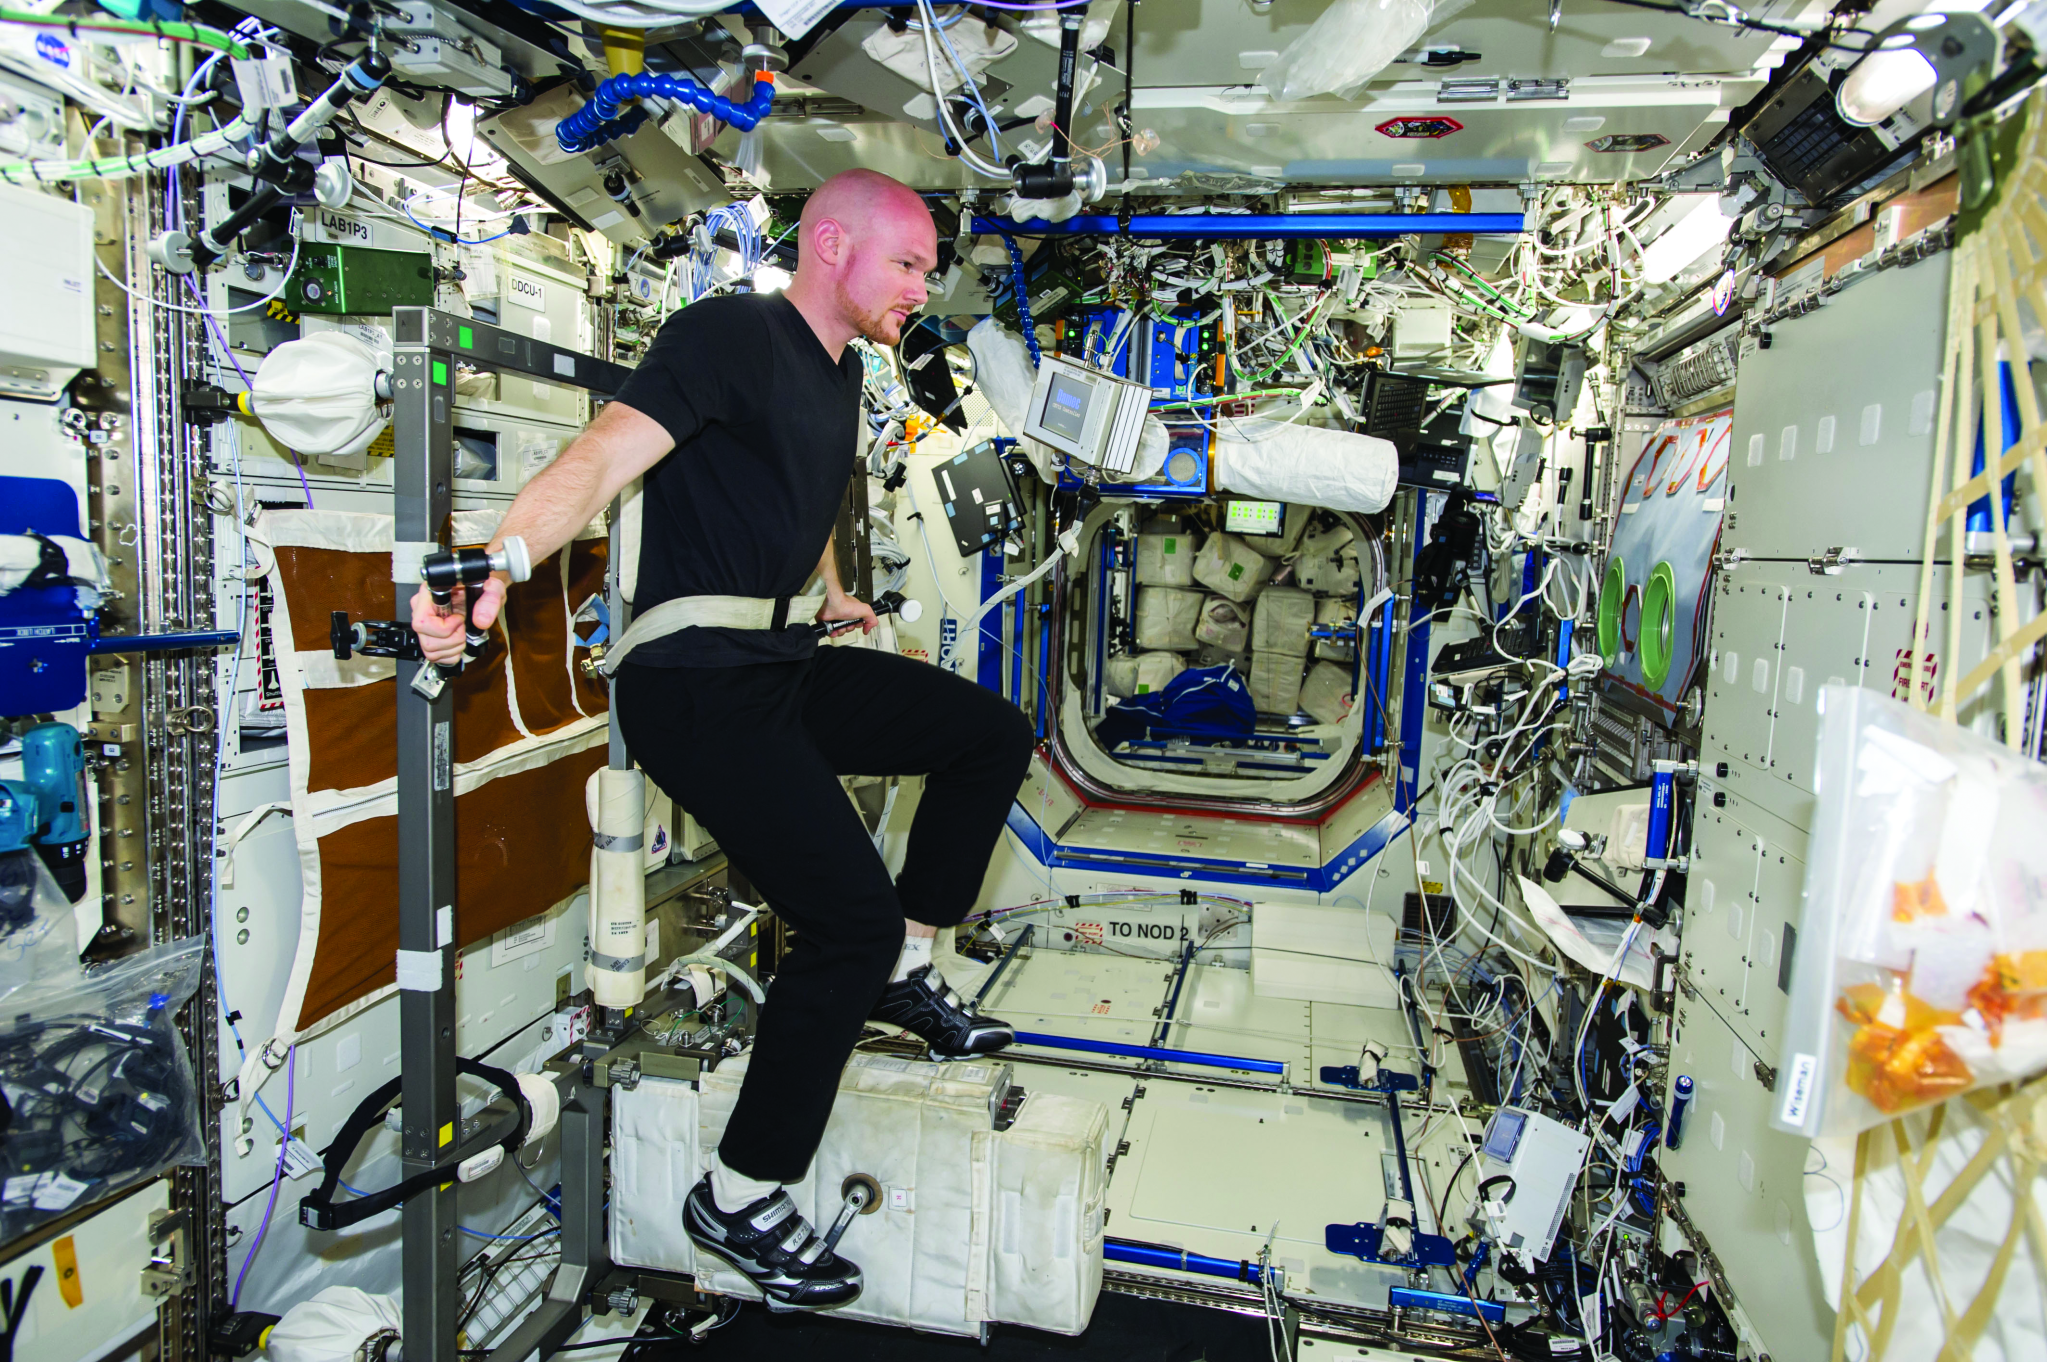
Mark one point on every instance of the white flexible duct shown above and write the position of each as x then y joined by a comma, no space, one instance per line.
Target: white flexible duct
616,802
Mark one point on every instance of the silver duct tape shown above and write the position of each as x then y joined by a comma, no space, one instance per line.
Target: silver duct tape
606,842
618,964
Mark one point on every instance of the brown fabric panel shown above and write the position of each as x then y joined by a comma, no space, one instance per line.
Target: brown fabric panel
352,731
587,561
538,619
539,813
317,582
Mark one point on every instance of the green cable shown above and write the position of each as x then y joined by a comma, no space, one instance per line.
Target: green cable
1216,399
1299,336
1481,281
202,35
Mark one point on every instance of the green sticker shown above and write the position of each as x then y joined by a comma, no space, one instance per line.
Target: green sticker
440,374
1236,571
1172,546
465,337
1142,688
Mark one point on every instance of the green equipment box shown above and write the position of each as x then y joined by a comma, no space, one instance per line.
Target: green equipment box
359,280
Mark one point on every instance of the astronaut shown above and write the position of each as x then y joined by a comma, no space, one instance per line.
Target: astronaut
744,419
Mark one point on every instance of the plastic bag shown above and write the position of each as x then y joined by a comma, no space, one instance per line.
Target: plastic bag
38,933
1921,965
1352,42
98,1083
1225,625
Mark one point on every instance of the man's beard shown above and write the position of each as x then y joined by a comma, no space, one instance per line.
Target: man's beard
875,326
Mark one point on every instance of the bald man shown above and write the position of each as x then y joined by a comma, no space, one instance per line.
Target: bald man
745,420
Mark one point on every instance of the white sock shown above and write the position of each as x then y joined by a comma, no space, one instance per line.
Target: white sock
736,1191
916,954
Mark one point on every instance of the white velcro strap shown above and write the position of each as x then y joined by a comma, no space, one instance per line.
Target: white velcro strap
544,1100
420,971
406,556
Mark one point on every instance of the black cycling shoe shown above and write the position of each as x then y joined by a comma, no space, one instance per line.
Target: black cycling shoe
771,1243
922,1005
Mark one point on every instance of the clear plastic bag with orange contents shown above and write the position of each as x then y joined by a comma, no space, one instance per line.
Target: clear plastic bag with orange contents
1921,967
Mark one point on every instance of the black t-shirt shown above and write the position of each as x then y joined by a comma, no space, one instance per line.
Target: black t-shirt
766,430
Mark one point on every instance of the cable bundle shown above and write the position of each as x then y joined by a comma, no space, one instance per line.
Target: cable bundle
99,1091
604,117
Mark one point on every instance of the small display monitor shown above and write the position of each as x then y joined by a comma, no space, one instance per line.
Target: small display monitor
1503,1136
1255,517
1066,399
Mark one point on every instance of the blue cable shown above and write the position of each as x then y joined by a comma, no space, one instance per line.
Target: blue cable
605,117
443,234
1021,291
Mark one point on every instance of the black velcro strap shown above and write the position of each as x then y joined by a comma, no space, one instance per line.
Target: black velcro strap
53,567
780,619
317,1209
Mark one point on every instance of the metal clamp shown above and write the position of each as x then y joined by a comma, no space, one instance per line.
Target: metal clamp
169,1271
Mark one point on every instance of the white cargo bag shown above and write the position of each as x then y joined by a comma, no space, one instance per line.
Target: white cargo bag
1329,562
975,1226
1166,618
1275,681
1141,674
1326,693
1229,568
1281,624
1165,559
1224,625
1335,610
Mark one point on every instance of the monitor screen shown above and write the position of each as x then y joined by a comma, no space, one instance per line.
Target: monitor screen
1504,1135
1255,517
1066,399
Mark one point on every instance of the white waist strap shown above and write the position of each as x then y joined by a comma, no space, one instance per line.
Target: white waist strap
709,612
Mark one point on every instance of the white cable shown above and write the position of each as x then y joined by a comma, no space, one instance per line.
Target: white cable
269,297
968,157
664,12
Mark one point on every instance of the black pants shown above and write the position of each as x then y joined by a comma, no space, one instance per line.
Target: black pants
755,753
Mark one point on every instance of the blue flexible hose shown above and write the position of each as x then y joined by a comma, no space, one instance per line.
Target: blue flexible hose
605,117
1021,290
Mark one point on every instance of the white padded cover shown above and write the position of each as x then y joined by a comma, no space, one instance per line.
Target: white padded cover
318,395
1306,465
975,1226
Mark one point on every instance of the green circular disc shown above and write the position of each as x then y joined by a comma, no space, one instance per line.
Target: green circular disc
1611,594
1659,624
